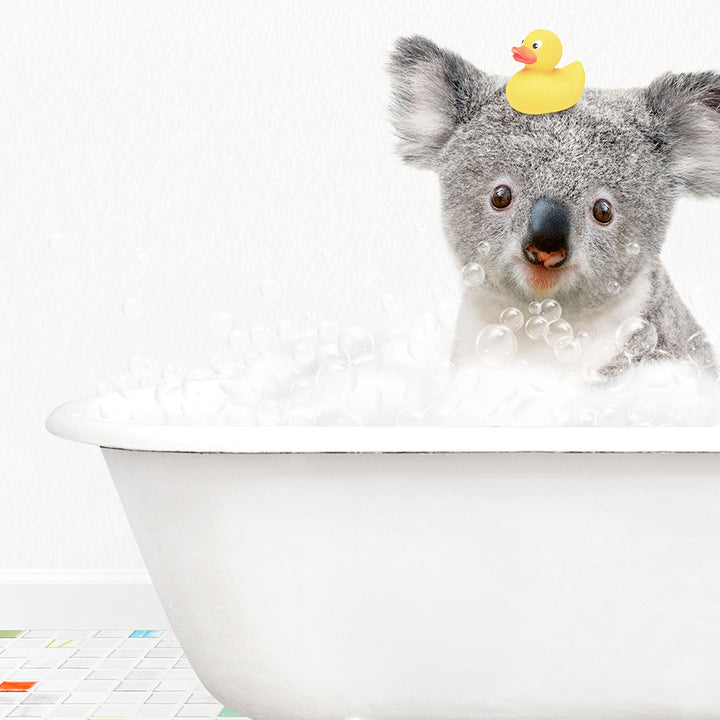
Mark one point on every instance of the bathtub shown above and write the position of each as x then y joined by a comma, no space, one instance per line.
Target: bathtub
430,573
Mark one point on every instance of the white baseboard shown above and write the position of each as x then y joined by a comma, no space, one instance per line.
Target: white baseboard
79,600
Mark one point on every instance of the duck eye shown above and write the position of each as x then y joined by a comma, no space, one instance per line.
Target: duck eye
537,45
501,197
602,211
523,40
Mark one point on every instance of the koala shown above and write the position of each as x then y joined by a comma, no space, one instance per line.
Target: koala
572,205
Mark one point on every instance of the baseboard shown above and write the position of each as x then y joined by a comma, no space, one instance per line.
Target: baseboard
79,600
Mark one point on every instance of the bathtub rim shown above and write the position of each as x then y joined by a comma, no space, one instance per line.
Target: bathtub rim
78,420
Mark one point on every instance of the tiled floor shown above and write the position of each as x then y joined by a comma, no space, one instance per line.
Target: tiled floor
100,675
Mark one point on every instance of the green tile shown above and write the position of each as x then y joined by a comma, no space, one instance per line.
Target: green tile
11,633
227,712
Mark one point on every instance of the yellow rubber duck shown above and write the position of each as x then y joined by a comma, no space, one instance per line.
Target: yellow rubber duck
540,87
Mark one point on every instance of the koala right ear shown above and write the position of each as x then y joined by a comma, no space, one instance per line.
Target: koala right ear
687,106
434,91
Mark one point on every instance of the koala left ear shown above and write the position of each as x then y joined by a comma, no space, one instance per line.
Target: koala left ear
434,91
688,108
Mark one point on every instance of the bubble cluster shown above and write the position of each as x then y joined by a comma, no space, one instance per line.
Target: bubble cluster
529,367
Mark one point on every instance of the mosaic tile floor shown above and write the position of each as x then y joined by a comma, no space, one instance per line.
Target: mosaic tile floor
100,675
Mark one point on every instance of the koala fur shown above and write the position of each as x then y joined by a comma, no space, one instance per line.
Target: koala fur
638,148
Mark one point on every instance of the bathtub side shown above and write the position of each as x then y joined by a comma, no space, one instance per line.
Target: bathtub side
413,586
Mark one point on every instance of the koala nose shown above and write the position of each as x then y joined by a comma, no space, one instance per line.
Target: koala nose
546,242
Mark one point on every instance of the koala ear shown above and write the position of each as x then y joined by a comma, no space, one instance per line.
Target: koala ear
688,109
433,91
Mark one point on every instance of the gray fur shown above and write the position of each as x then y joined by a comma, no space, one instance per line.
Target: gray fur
640,148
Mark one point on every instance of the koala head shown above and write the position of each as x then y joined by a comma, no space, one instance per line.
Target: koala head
572,204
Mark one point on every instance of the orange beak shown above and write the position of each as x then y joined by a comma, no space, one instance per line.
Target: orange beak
524,55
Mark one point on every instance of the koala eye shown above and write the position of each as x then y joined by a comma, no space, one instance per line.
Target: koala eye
602,211
537,44
501,197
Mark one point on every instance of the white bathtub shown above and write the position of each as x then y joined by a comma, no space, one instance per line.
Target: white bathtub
431,573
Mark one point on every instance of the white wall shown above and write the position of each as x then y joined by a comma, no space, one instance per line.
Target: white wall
228,143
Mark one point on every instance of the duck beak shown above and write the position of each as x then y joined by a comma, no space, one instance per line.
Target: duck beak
524,55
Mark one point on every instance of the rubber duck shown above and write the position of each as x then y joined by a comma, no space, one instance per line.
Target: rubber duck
540,87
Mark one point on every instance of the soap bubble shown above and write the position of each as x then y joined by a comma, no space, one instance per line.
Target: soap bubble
104,388
336,377
287,329
355,341
483,247
132,308
302,390
125,383
658,371
194,381
241,385
568,350
699,349
534,307
303,353
473,275
536,328
365,401
222,323
239,340
114,407
410,417
642,411
260,335
220,361
584,337
542,377
270,413
439,414
168,395
603,367
558,330
636,337
171,373
201,398
686,374
633,248
550,310
367,363
301,417
496,345
613,287
532,411
241,416
443,371
610,416
513,318
701,295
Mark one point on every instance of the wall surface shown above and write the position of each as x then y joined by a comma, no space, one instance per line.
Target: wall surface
163,161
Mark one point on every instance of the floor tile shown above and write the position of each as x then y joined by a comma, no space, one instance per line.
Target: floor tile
100,675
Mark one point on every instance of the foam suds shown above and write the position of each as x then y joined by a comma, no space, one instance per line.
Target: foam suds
292,375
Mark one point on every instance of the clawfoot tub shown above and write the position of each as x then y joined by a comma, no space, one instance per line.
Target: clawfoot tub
430,573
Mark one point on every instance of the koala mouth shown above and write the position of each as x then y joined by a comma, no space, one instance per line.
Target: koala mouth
549,260
543,269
